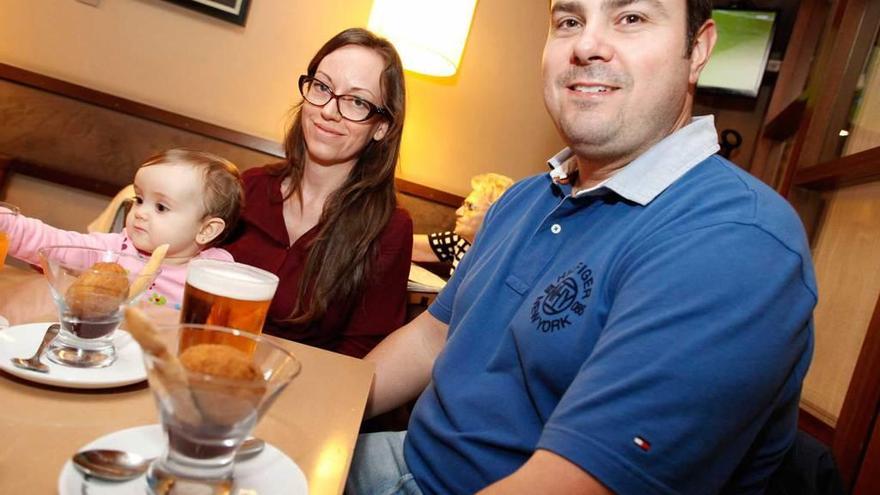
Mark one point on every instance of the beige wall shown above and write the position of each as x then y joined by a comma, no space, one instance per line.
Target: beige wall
489,117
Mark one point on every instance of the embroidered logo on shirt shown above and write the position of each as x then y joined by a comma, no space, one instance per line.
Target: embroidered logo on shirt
642,443
157,299
563,300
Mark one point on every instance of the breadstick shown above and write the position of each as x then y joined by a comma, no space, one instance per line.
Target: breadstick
141,328
140,283
167,365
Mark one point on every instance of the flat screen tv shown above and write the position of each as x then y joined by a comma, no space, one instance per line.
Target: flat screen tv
740,57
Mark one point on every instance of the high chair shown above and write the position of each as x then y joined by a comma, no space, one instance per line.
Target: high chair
112,219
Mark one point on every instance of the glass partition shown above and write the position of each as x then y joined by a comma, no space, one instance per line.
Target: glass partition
862,129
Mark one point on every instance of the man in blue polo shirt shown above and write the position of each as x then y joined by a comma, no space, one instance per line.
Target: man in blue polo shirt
636,321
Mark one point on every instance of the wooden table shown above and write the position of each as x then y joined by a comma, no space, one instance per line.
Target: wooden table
315,421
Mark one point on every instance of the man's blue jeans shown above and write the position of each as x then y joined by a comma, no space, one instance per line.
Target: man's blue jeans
378,466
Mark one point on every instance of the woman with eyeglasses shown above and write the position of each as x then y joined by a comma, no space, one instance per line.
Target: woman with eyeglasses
449,247
326,219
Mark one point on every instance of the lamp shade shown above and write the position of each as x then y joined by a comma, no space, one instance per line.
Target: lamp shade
429,34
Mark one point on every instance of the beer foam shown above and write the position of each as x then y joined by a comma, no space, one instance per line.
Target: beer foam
233,280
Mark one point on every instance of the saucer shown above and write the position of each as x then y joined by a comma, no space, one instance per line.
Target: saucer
22,341
267,473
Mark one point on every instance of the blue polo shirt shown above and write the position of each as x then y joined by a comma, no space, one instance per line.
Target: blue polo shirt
654,330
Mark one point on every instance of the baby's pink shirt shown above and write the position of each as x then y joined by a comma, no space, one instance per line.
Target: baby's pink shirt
28,235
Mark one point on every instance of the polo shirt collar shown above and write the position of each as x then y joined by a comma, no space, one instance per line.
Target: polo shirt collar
647,176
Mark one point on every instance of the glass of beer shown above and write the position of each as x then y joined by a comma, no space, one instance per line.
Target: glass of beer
227,294
10,210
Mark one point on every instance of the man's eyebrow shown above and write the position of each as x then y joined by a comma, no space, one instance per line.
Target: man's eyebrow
567,7
576,8
619,4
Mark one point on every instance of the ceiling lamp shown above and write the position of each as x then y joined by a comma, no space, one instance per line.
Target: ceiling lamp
429,34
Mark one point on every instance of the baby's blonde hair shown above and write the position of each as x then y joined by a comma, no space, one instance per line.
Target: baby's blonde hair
224,194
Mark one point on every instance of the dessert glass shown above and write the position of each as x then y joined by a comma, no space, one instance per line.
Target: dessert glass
90,312
205,417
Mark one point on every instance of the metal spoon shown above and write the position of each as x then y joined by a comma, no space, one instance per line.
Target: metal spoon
33,363
116,465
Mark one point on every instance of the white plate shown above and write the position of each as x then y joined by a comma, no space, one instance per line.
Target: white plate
268,473
22,341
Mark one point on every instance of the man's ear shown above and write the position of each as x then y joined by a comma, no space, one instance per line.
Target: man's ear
704,43
380,131
211,228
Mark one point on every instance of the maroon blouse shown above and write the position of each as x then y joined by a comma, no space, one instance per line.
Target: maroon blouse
261,240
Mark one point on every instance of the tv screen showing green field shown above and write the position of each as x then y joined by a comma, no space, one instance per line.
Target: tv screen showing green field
740,57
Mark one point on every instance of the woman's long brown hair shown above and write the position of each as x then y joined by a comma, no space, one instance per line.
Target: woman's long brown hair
354,216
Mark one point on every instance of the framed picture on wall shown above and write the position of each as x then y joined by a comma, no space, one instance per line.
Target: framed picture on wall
229,10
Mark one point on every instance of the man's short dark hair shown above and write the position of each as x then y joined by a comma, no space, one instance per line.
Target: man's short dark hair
698,12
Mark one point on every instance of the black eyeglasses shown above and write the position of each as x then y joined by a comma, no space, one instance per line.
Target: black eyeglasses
351,107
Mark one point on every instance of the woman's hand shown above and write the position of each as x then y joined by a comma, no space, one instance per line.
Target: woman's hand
421,250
